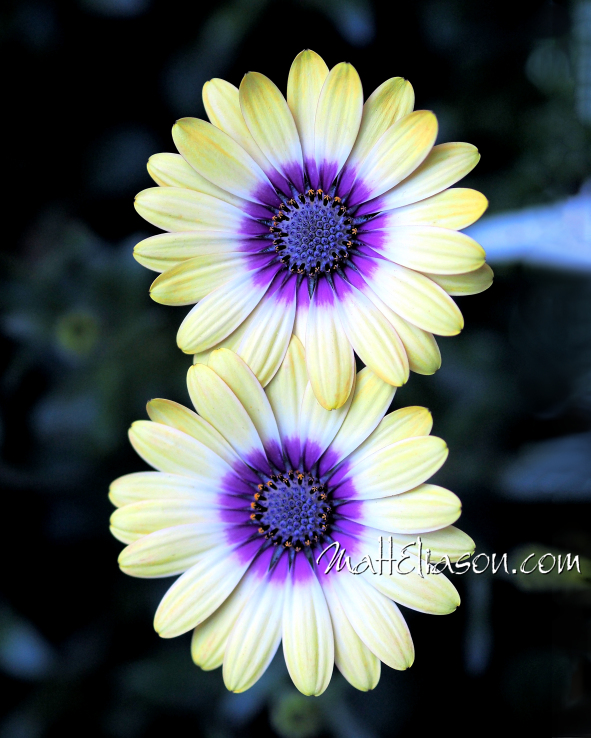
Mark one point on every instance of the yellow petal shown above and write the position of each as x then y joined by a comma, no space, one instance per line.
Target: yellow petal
423,509
397,468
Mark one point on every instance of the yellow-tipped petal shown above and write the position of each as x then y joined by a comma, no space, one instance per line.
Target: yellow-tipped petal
211,636
371,399
171,170
353,659
329,355
431,249
372,336
198,592
191,280
140,486
471,283
243,383
415,298
168,552
222,104
306,77
218,158
216,316
408,422
338,116
308,642
177,209
166,250
397,468
375,619
390,102
251,647
169,450
180,417
397,153
216,402
445,165
456,209
272,126
423,509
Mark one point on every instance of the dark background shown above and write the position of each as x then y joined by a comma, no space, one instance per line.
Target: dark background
91,90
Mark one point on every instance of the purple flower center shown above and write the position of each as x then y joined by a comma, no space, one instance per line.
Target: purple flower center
313,233
292,510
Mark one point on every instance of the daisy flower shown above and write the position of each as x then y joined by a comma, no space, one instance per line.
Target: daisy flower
317,216
247,495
